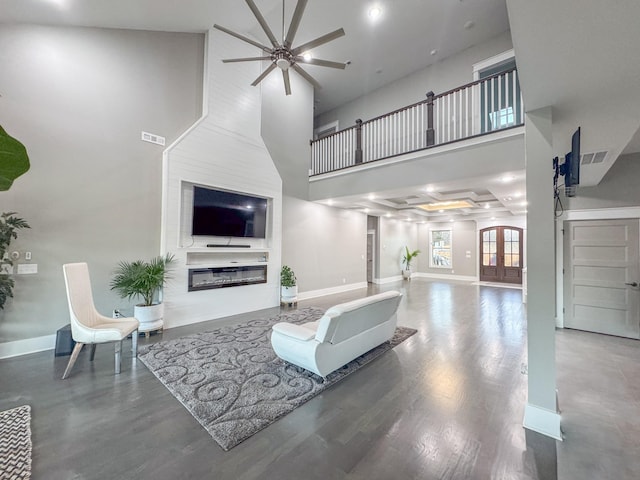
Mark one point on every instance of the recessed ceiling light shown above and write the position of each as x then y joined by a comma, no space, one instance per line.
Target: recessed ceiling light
493,218
469,24
524,204
486,205
430,189
517,194
366,210
452,220
440,211
448,205
507,178
329,202
375,12
388,215
372,196
433,52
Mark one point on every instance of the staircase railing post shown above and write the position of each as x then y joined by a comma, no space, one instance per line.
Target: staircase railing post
431,134
358,141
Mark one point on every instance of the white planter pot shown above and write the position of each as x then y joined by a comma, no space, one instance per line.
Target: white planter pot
406,274
289,294
150,317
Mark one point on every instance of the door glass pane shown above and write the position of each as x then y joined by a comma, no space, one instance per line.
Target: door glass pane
507,247
507,260
492,260
485,236
507,235
485,259
515,235
492,235
492,247
515,260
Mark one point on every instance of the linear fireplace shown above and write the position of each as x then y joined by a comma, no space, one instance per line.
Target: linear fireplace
221,277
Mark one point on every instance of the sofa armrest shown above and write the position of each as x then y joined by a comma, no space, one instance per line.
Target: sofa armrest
294,331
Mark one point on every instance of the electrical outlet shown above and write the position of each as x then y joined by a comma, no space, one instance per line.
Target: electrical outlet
6,269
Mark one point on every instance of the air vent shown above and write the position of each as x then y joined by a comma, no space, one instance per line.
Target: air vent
151,138
599,158
589,158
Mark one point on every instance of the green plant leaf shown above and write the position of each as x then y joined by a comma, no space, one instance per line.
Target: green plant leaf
141,279
14,160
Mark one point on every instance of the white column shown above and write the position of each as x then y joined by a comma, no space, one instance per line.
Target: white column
541,412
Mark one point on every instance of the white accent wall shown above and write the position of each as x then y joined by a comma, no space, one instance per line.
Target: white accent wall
224,150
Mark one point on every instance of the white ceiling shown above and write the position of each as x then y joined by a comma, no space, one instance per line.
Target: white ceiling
579,56
400,42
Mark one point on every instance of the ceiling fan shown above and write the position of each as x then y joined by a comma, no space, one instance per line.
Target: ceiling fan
284,55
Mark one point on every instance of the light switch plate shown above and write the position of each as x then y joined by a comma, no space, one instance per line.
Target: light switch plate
27,268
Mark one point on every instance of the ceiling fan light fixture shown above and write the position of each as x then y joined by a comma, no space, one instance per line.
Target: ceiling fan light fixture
374,12
283,64
282,54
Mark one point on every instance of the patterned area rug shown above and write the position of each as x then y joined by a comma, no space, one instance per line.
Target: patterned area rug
233,383
15,443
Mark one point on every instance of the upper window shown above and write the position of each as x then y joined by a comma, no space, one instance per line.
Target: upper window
440,246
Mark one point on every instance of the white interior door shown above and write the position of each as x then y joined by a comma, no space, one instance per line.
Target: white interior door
602,276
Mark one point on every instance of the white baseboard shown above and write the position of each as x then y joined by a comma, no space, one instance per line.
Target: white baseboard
444,276
26,346
382,281
542,421
331,291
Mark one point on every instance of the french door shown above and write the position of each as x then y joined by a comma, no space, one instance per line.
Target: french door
501,254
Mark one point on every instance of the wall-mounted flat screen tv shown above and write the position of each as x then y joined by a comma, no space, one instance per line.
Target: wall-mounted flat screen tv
219,213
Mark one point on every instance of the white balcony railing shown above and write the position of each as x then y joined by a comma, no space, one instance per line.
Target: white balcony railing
478,108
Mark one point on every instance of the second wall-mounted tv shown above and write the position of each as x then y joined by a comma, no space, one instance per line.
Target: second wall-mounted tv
220,213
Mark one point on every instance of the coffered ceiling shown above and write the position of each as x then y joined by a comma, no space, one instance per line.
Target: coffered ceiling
482,198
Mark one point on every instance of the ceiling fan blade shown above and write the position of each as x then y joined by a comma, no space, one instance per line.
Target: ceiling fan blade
243,38
318,41
287,83
248,59
262,76
263,23
295,23
306,76
321,63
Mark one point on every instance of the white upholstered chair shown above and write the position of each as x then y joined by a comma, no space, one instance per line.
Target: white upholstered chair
88,327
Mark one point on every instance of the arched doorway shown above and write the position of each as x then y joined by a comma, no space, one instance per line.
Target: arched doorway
501,254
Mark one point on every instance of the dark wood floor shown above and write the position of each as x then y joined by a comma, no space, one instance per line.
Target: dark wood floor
446,404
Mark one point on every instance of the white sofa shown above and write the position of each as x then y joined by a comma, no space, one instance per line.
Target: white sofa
345,332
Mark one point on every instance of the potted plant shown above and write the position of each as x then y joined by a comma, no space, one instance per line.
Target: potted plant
9,226
406,261
288,285
145,280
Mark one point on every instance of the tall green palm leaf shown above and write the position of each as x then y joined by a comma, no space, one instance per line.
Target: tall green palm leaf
141,279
